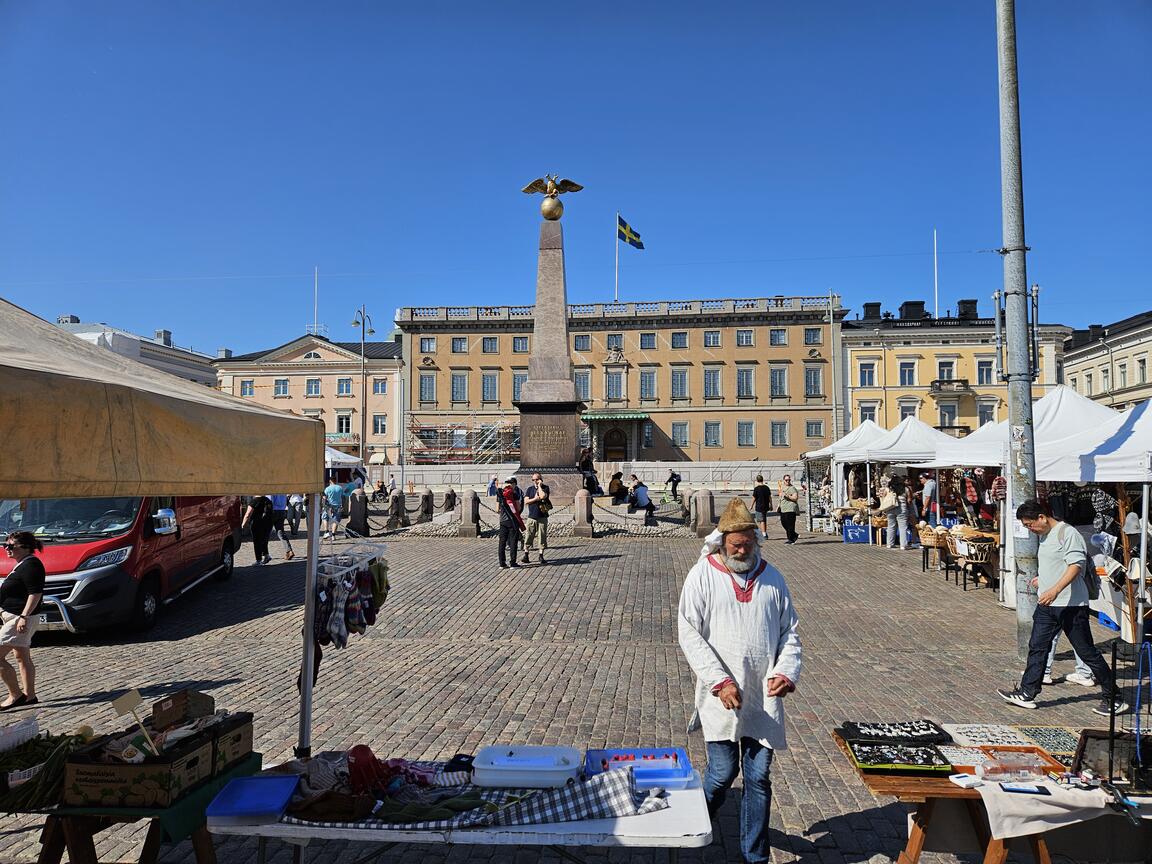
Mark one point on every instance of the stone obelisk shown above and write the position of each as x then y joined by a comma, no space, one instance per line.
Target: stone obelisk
549,409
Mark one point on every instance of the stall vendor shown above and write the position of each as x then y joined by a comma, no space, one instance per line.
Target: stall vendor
738,631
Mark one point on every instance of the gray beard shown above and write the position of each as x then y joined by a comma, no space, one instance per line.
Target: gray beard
737,566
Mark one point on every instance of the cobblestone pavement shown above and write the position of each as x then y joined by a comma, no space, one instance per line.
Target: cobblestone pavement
580,651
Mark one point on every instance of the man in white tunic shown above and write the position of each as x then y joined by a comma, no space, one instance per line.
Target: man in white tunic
738,631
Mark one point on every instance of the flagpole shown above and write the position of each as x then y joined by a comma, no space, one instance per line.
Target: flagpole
616,238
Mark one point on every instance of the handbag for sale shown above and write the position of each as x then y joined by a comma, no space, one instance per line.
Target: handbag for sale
888,502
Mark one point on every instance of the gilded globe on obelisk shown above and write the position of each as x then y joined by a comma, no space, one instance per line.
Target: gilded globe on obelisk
550,186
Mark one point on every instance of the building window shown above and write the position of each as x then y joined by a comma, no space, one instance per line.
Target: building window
679,383
615,341
379,424
379,386
867,374
813,336
907,409
947,415
459,344
985,413
779,433
280,387
459,439
1105,380
312,355
647,341
343,386
777,336
867,412
459,386
427,387
813,381
427,344
1088,384
490,344
519,344
711,433
778,381
680,434
984,372
312,387
488,392
344,423
711,383
583,379
614,385
813,428
744,339
1122,375
745,433
907,373
1141,371
247,387
745,382
582,342
1074,382
647,383
679,338
711,338
646,435
945,370
518,379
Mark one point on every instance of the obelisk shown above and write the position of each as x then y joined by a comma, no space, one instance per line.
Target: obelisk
549,409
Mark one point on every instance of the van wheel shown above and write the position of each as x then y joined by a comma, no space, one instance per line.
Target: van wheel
227,562
147,606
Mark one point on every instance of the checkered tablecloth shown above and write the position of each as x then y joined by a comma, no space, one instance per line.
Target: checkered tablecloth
608,795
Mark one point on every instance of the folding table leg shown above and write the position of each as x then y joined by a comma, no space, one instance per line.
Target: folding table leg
51,842
202,846
151,849
78,840
261,850
997,852
918,834
1039,849
566,855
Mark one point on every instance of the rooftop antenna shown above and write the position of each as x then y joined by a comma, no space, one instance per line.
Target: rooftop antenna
935,279
316,328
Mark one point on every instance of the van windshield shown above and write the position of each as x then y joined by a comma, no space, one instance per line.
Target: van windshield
68,518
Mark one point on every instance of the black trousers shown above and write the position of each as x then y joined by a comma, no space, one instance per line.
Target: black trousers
674,484
261,529
788,523
1047,621
509,540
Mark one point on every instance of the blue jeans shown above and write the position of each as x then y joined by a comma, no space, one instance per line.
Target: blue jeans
725,760
1081,667
1047,623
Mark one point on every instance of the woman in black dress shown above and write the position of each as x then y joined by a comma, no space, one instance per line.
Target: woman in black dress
20,593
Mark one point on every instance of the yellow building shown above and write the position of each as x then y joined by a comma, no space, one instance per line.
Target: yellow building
941,370
696,380
315,377
1110,363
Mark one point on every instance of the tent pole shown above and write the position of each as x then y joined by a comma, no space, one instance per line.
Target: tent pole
1138,637
868,498
304,743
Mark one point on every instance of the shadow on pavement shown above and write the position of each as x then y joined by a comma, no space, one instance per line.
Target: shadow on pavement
151,693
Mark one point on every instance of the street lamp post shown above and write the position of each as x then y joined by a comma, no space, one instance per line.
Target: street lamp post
364,321
1111,370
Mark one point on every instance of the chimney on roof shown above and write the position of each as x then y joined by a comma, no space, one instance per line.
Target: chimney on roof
871,311
164,337
966,310
67,319
912,310
223,353
1095,332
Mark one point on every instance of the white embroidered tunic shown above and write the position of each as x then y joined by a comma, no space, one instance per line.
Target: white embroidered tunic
747,642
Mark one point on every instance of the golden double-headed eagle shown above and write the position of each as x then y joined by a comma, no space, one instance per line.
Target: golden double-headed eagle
551,185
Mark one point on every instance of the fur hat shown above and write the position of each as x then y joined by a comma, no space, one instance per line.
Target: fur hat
736,517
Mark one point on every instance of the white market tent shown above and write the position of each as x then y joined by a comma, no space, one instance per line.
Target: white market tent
1116,451
334,458
911,440
83,422
861,436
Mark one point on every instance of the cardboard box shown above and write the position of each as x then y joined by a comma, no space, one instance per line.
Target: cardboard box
233,742
156,782
181,706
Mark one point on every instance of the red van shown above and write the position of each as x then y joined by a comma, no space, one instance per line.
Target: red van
116,560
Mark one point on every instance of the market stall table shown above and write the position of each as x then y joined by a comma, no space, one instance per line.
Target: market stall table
684,824
74,828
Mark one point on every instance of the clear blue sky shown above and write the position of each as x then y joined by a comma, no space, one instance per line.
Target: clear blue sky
186,164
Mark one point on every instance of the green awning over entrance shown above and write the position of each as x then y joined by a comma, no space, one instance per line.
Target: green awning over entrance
614,415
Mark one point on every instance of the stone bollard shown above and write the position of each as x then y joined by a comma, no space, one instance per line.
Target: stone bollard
470,515
705,513
582,514
427,507
397,512
358,513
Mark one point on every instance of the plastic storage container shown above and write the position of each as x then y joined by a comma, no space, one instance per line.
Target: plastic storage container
257,800
666,767
529,767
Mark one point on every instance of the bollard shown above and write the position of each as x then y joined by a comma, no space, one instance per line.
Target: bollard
582,507
397,512
470,515
427,507
705,515
358,513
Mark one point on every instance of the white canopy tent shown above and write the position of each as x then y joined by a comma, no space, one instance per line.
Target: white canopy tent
862,435
334,458
911,440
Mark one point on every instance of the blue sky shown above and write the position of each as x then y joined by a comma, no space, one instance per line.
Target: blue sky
186,164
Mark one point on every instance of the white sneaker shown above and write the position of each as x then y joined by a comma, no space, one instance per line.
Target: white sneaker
1082,680
1048,679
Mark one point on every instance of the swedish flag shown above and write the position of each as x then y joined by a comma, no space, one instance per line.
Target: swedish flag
624,232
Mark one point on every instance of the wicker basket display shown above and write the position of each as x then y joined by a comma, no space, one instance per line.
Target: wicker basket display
879,521
930,539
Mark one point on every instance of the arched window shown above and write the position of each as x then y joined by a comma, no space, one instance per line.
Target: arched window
311,355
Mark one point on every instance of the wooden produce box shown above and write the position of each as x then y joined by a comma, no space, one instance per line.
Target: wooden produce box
232,743
180,706
157,782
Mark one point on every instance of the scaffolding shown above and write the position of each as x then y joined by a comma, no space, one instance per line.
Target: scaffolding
474,438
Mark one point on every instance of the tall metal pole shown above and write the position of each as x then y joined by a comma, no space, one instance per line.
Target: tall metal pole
403,429
1022,468
616,239
364,322
935,279
832,355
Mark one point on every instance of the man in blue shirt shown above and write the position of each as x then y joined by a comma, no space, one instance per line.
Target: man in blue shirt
334,495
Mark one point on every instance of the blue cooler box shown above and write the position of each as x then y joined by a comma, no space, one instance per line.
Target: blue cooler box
666,767
257,800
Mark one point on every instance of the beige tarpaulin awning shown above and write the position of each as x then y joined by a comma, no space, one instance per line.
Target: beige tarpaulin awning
78,421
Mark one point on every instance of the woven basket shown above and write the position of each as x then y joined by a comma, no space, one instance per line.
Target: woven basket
879,521
930,539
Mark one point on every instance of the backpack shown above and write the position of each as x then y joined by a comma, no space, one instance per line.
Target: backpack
1087,570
